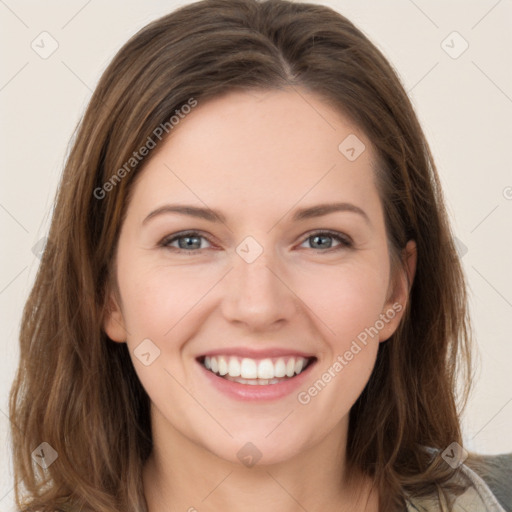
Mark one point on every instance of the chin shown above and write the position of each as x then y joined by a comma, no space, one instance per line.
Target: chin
254,448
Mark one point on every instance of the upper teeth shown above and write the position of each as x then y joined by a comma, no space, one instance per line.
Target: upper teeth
253,368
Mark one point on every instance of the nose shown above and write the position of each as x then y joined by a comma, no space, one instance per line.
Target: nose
257,294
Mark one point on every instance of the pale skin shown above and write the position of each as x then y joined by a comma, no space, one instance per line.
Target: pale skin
256,158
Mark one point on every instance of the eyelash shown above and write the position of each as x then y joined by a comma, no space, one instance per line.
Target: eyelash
345,242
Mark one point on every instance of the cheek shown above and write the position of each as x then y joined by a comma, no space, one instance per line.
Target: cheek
158,305
348,303
346,300
157,298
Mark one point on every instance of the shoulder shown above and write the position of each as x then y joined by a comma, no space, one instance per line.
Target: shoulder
496,472
487,487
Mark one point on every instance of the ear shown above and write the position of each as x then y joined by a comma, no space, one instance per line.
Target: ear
398,292
113,320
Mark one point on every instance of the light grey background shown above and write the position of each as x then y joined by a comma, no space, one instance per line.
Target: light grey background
464,105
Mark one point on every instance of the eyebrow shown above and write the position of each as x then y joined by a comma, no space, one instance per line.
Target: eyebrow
208,214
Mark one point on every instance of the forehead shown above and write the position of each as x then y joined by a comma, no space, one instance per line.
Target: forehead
253,149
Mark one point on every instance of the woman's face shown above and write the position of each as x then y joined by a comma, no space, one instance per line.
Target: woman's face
264,286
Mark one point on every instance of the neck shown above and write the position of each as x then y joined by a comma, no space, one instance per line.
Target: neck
181,475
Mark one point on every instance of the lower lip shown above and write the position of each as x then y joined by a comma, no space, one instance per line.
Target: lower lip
257,392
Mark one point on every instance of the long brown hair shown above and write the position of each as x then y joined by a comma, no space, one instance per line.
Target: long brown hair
77,390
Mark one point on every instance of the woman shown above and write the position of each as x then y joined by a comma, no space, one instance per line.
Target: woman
203,348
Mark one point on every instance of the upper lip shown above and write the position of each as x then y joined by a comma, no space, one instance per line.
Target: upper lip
253,353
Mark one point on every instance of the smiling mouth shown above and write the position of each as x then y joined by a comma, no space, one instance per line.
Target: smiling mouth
256,371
